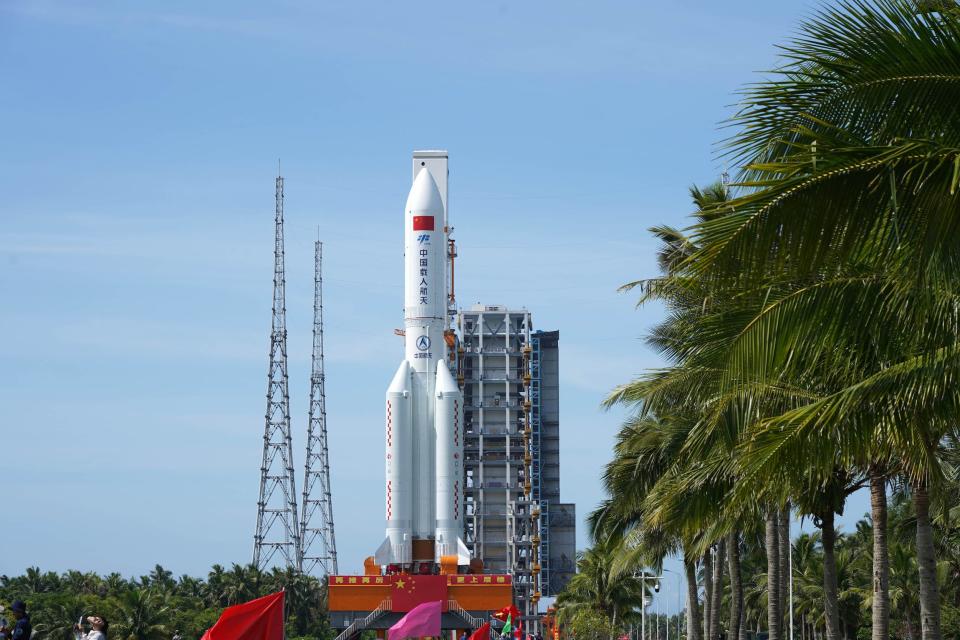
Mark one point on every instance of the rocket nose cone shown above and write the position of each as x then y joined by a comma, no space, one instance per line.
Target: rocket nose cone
401,379
424,195
445,382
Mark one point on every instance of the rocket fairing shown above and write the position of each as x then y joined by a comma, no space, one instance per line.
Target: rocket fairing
424,406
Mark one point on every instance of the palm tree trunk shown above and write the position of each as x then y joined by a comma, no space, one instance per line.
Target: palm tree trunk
881,557
707,592
716,601
783,534
693,601
773,575
737,628
926,558
831,608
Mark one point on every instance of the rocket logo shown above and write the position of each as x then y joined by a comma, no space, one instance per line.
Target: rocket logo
423,238
423,343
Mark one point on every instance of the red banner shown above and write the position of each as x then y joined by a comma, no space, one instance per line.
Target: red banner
410,590
475,579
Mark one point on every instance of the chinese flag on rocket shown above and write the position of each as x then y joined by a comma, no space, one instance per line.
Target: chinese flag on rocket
260,619
423,223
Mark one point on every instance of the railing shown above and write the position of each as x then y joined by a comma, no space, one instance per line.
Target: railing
362,623
493,404
473,350
490,377
475,623
387,605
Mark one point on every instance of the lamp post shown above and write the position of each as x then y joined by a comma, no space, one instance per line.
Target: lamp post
643,577
656,615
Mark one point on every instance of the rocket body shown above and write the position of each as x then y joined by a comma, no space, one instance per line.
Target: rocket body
425,308
424,406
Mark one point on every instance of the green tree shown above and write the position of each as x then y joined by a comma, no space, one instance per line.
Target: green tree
586,624
600,586
140,614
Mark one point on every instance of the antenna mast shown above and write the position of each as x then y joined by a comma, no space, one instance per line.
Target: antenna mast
319,547
277,508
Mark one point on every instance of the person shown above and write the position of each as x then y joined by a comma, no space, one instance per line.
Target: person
98,629
22,629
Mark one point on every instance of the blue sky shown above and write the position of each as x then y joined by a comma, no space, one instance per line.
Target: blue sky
139,147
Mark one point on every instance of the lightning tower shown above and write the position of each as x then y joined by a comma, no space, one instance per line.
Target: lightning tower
318,544
277,526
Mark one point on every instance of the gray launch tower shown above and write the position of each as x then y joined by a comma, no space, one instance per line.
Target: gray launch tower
317,541
515,521
277,525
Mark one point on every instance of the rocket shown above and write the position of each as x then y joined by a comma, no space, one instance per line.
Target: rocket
424,406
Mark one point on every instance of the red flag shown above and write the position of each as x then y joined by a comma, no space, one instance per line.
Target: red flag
260,619
509,611
483,633
423,223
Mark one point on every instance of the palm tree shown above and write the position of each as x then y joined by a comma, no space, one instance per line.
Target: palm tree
599,586
215,586
191,587
851,202
904,592
36,581
56,622
685,495
737,629
162,579
140,614
647,446
242,583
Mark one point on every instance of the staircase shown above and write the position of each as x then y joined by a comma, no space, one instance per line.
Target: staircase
386,606
362,623
454,606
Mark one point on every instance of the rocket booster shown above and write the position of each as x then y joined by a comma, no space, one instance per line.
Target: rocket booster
424,406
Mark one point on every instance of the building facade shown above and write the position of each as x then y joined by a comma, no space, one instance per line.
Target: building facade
515,521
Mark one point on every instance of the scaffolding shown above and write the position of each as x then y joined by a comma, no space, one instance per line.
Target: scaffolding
508,493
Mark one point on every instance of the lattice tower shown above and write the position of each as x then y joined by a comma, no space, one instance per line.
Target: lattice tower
318,543
277,524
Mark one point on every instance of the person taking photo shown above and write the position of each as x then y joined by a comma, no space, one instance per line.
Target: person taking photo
98,629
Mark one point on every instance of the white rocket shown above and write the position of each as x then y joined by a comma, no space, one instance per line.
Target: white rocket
424,407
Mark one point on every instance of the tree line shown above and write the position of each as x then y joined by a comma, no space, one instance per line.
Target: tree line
811,351
157,605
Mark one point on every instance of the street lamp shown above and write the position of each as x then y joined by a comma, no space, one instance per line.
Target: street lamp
643,577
